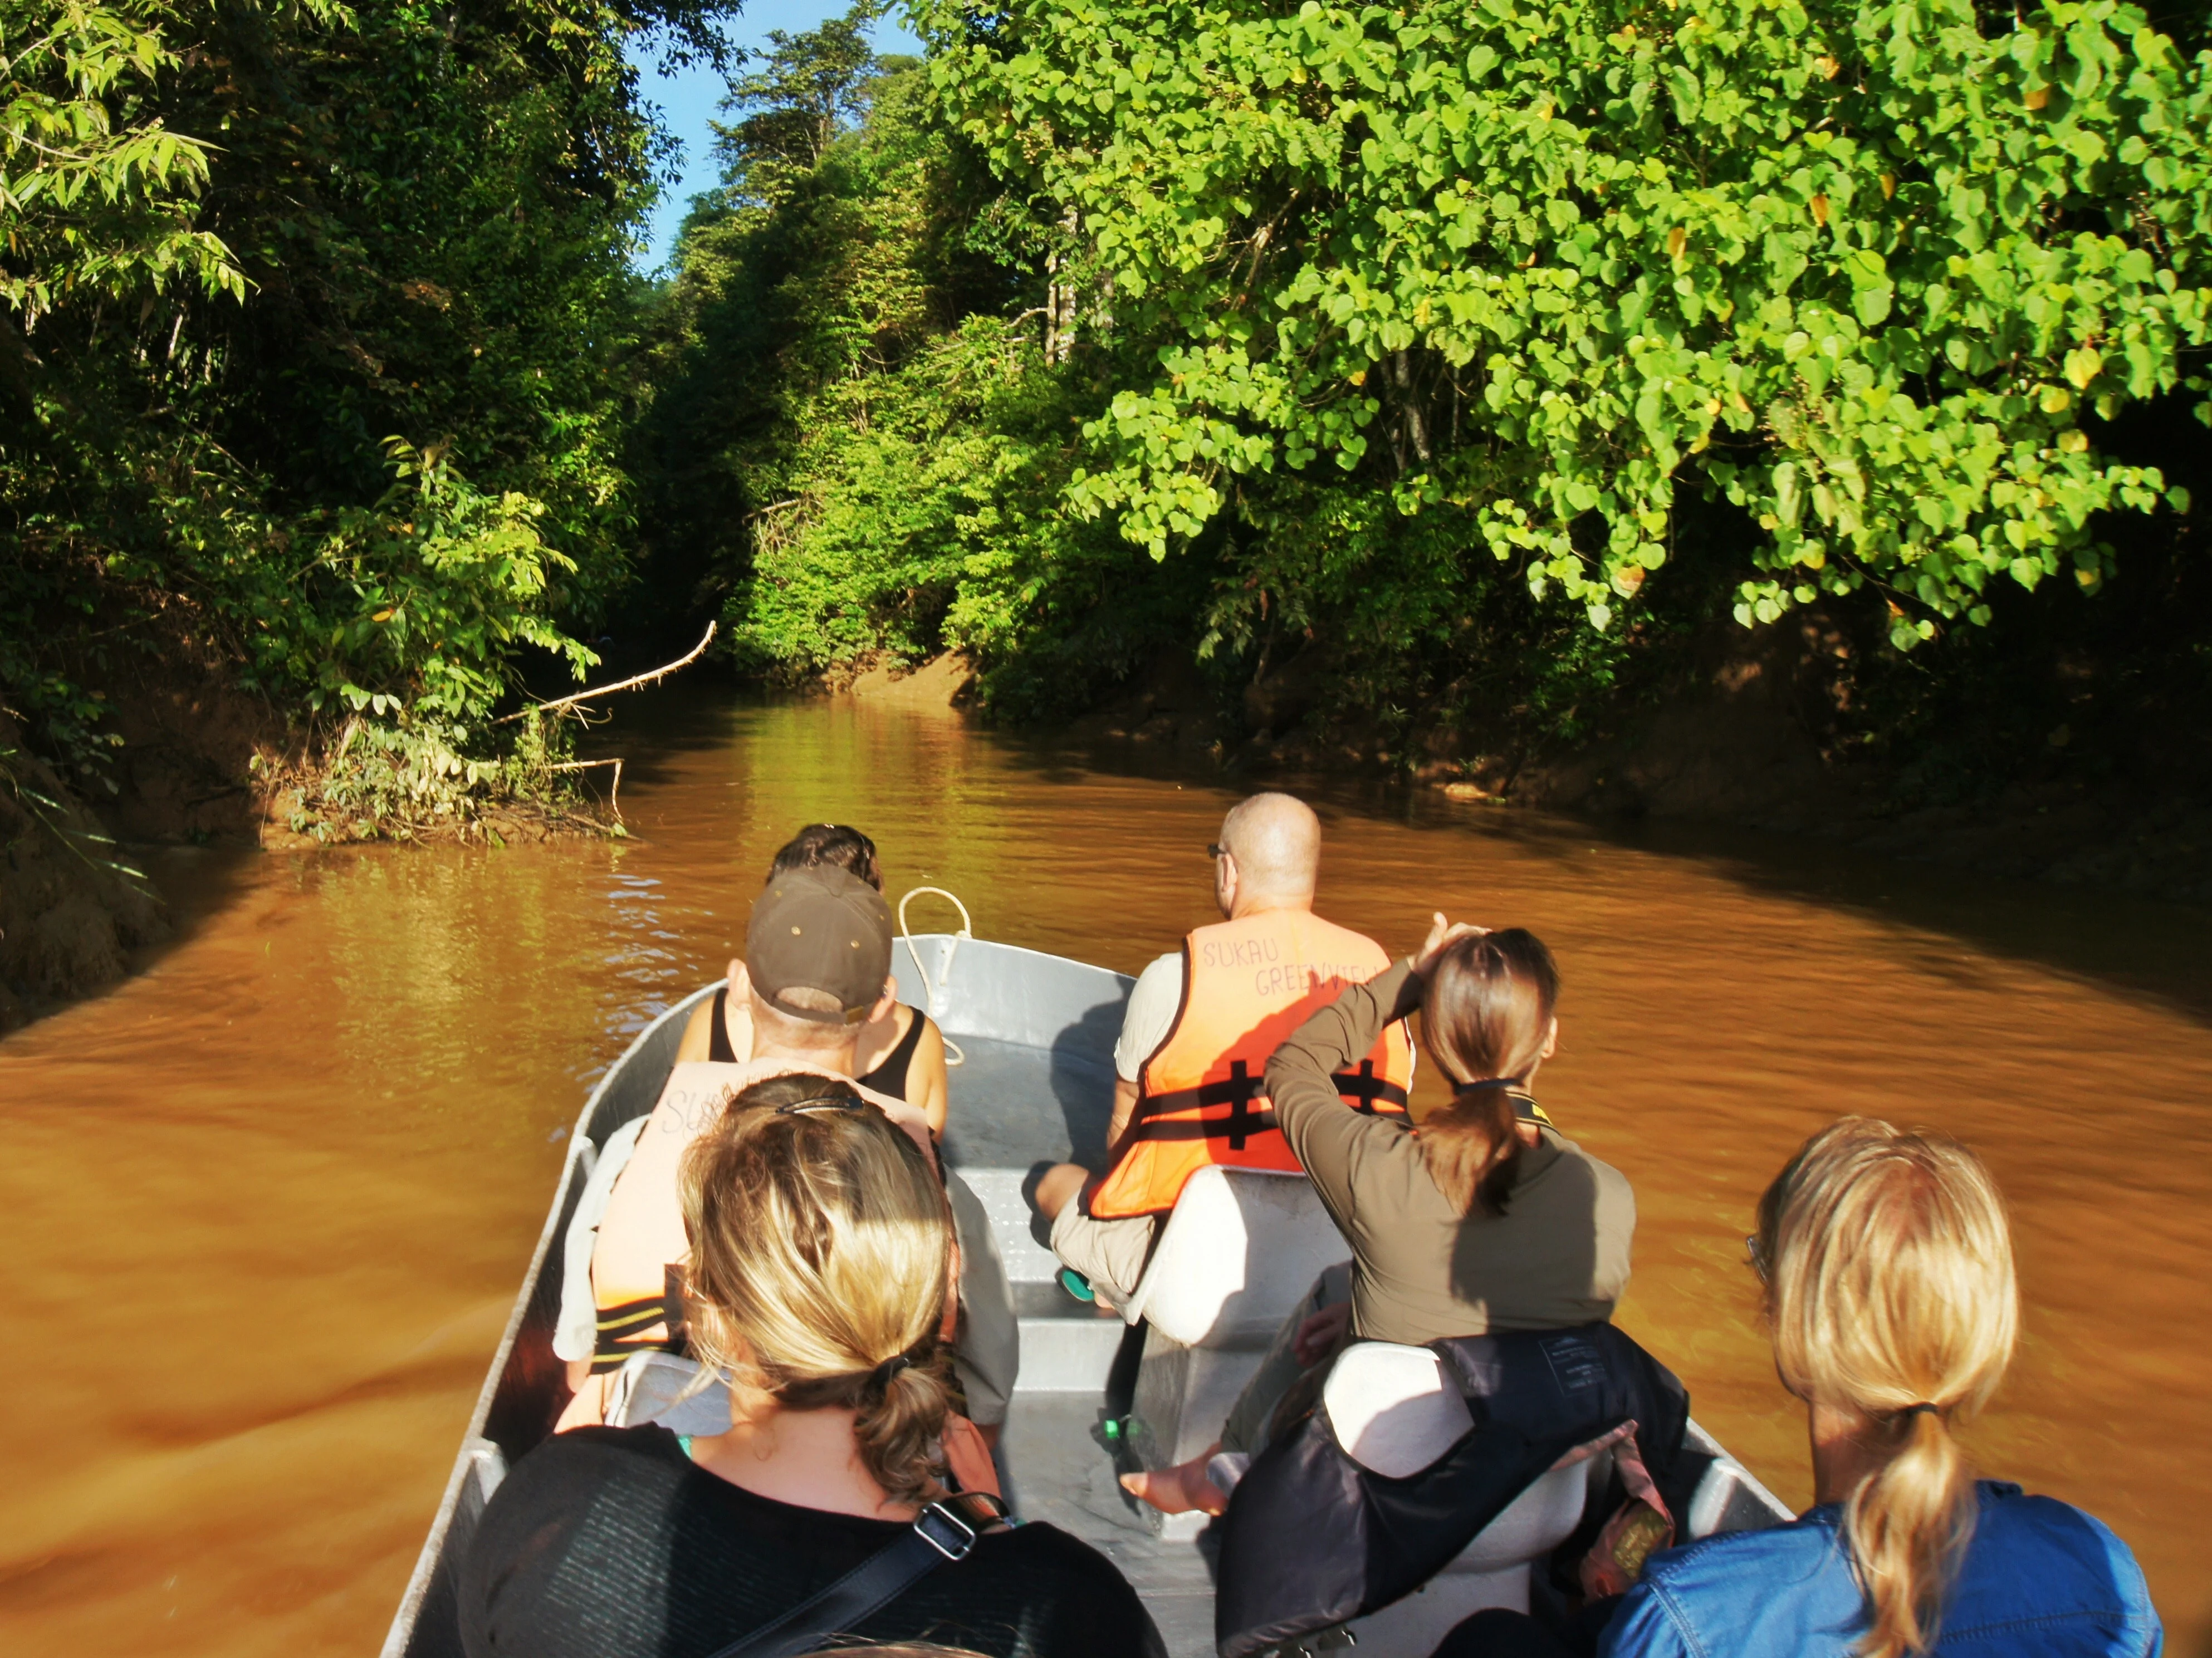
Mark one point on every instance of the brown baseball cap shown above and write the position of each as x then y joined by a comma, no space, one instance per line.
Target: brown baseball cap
820,928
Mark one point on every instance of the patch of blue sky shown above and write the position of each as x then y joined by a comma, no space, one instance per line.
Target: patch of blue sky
690,100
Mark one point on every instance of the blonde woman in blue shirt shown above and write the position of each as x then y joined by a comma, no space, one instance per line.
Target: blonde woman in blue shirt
1889,1271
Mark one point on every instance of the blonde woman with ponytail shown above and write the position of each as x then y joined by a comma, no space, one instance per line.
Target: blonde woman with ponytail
822,1265
1888,1269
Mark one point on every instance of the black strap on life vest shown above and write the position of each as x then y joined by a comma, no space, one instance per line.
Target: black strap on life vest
1363,1089
1236,1090
620,1329
619,1326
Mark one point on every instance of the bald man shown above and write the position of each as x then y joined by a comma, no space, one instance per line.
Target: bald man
1192,1054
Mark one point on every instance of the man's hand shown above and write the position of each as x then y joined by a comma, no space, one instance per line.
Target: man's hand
1320,1335
1441,933
1124,1108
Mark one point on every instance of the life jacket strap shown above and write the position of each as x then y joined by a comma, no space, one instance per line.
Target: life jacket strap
620,1328
1366,1092
1236,1090
1157,1118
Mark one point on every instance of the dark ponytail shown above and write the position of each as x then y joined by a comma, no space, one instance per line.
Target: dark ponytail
835,845
1487,1015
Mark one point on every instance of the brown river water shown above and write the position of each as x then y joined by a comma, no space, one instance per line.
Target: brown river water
267,1204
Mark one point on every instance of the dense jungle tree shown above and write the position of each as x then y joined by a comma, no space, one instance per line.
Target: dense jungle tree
860,443
1481,352
315,343
1431,335
1877,274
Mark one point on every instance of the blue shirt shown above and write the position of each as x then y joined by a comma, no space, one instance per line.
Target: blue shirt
2041,1579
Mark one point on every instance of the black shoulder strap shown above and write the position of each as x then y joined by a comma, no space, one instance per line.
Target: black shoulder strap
944,1531
718,1030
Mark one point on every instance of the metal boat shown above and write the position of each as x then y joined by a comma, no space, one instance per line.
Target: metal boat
1035,1034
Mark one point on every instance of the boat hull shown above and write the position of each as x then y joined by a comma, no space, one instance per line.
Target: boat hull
1035,1083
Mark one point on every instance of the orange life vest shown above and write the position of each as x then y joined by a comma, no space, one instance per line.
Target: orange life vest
1246,986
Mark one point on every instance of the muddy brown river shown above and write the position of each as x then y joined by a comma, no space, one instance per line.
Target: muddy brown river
264,1207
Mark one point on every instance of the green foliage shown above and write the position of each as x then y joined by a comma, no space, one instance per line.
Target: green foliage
247,241
1875,274
858,445
812,89
417,775
414,605
892,482
97,194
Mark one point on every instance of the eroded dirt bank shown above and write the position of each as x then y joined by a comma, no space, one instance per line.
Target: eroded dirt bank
197,764
1747,736
68,920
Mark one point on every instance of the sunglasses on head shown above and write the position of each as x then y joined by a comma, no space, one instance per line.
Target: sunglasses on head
827,1103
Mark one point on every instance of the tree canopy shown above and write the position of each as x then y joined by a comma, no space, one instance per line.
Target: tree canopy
1481,344
1876,274
316,342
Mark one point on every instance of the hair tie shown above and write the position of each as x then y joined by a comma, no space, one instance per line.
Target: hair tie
1921,1408
1493,1082
880,1378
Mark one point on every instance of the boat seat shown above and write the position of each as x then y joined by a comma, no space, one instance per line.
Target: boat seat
1239,1252
1240,1248
576,1328
652,1388
1395,1413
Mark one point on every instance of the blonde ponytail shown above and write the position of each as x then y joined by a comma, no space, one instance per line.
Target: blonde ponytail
1892,1302
898,1429
821,1247
1909,1523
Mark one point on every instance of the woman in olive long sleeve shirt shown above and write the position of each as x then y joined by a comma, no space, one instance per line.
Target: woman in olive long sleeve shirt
1485,1217
1425,1263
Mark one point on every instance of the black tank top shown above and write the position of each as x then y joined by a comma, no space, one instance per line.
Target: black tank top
889,1077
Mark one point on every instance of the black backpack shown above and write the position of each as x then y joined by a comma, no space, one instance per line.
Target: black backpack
1311,1539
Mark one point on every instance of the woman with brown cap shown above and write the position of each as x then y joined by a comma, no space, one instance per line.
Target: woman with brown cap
817,948
898,1051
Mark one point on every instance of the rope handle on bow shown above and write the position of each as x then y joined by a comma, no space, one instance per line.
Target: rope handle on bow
929,992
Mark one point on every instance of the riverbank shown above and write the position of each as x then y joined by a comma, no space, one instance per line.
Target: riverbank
71,912
193,762
1733,747
1741,743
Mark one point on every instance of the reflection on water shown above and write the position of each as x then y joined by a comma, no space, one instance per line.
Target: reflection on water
267,1204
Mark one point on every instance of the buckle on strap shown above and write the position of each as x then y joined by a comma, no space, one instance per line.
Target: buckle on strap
945,1531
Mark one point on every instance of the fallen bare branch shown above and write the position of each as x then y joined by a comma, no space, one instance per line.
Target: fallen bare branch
614,789
631,683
